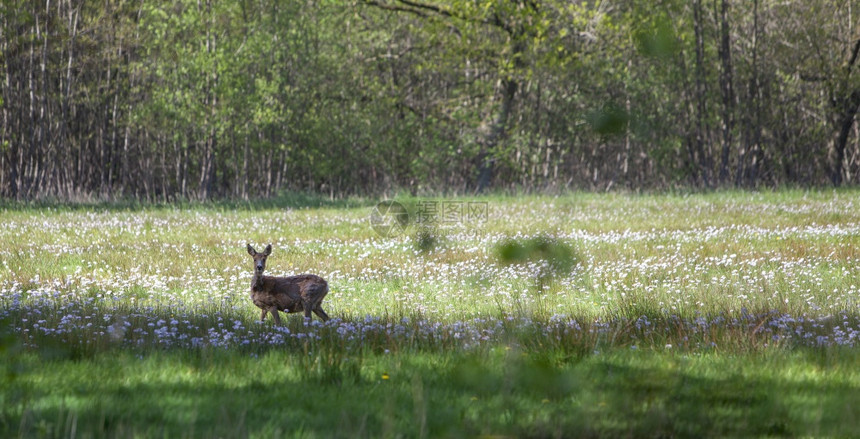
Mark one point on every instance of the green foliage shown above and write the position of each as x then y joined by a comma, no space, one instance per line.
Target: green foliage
426,239
658,41
609,120
188,100
559,257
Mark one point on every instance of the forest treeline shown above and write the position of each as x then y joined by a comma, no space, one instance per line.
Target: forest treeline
201,99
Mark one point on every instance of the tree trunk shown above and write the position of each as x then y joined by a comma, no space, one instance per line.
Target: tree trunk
496,132
750,157
704,161
845,120
726,90
846,110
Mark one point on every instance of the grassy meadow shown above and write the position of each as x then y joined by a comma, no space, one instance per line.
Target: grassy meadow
719,314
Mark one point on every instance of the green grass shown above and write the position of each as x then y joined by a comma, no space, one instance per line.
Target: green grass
496,393
717,314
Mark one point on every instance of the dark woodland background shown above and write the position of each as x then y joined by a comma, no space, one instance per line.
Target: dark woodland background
203,99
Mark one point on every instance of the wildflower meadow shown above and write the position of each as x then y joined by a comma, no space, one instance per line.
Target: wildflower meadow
716,314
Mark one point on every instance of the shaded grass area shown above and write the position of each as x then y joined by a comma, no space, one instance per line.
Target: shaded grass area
499,391
655,376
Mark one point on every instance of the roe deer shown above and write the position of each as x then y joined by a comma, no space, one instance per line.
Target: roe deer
289,294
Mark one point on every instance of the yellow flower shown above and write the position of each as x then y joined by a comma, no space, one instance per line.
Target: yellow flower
474,398
385,376
545,401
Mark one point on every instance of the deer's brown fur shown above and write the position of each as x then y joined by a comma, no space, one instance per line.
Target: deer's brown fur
304,292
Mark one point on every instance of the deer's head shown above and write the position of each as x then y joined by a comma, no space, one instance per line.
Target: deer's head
259,258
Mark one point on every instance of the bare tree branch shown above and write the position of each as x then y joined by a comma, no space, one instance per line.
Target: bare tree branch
854,53
422,9
393,7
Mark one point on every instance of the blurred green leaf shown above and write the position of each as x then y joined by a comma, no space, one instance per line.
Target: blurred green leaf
560,257
658,40
609,119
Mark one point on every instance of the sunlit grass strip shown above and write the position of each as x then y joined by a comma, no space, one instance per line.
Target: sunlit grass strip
788,253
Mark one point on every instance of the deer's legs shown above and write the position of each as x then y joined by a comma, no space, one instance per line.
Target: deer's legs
320,313
263,315
274,312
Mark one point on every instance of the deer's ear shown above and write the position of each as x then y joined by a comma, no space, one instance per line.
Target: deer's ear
268,250
251,250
